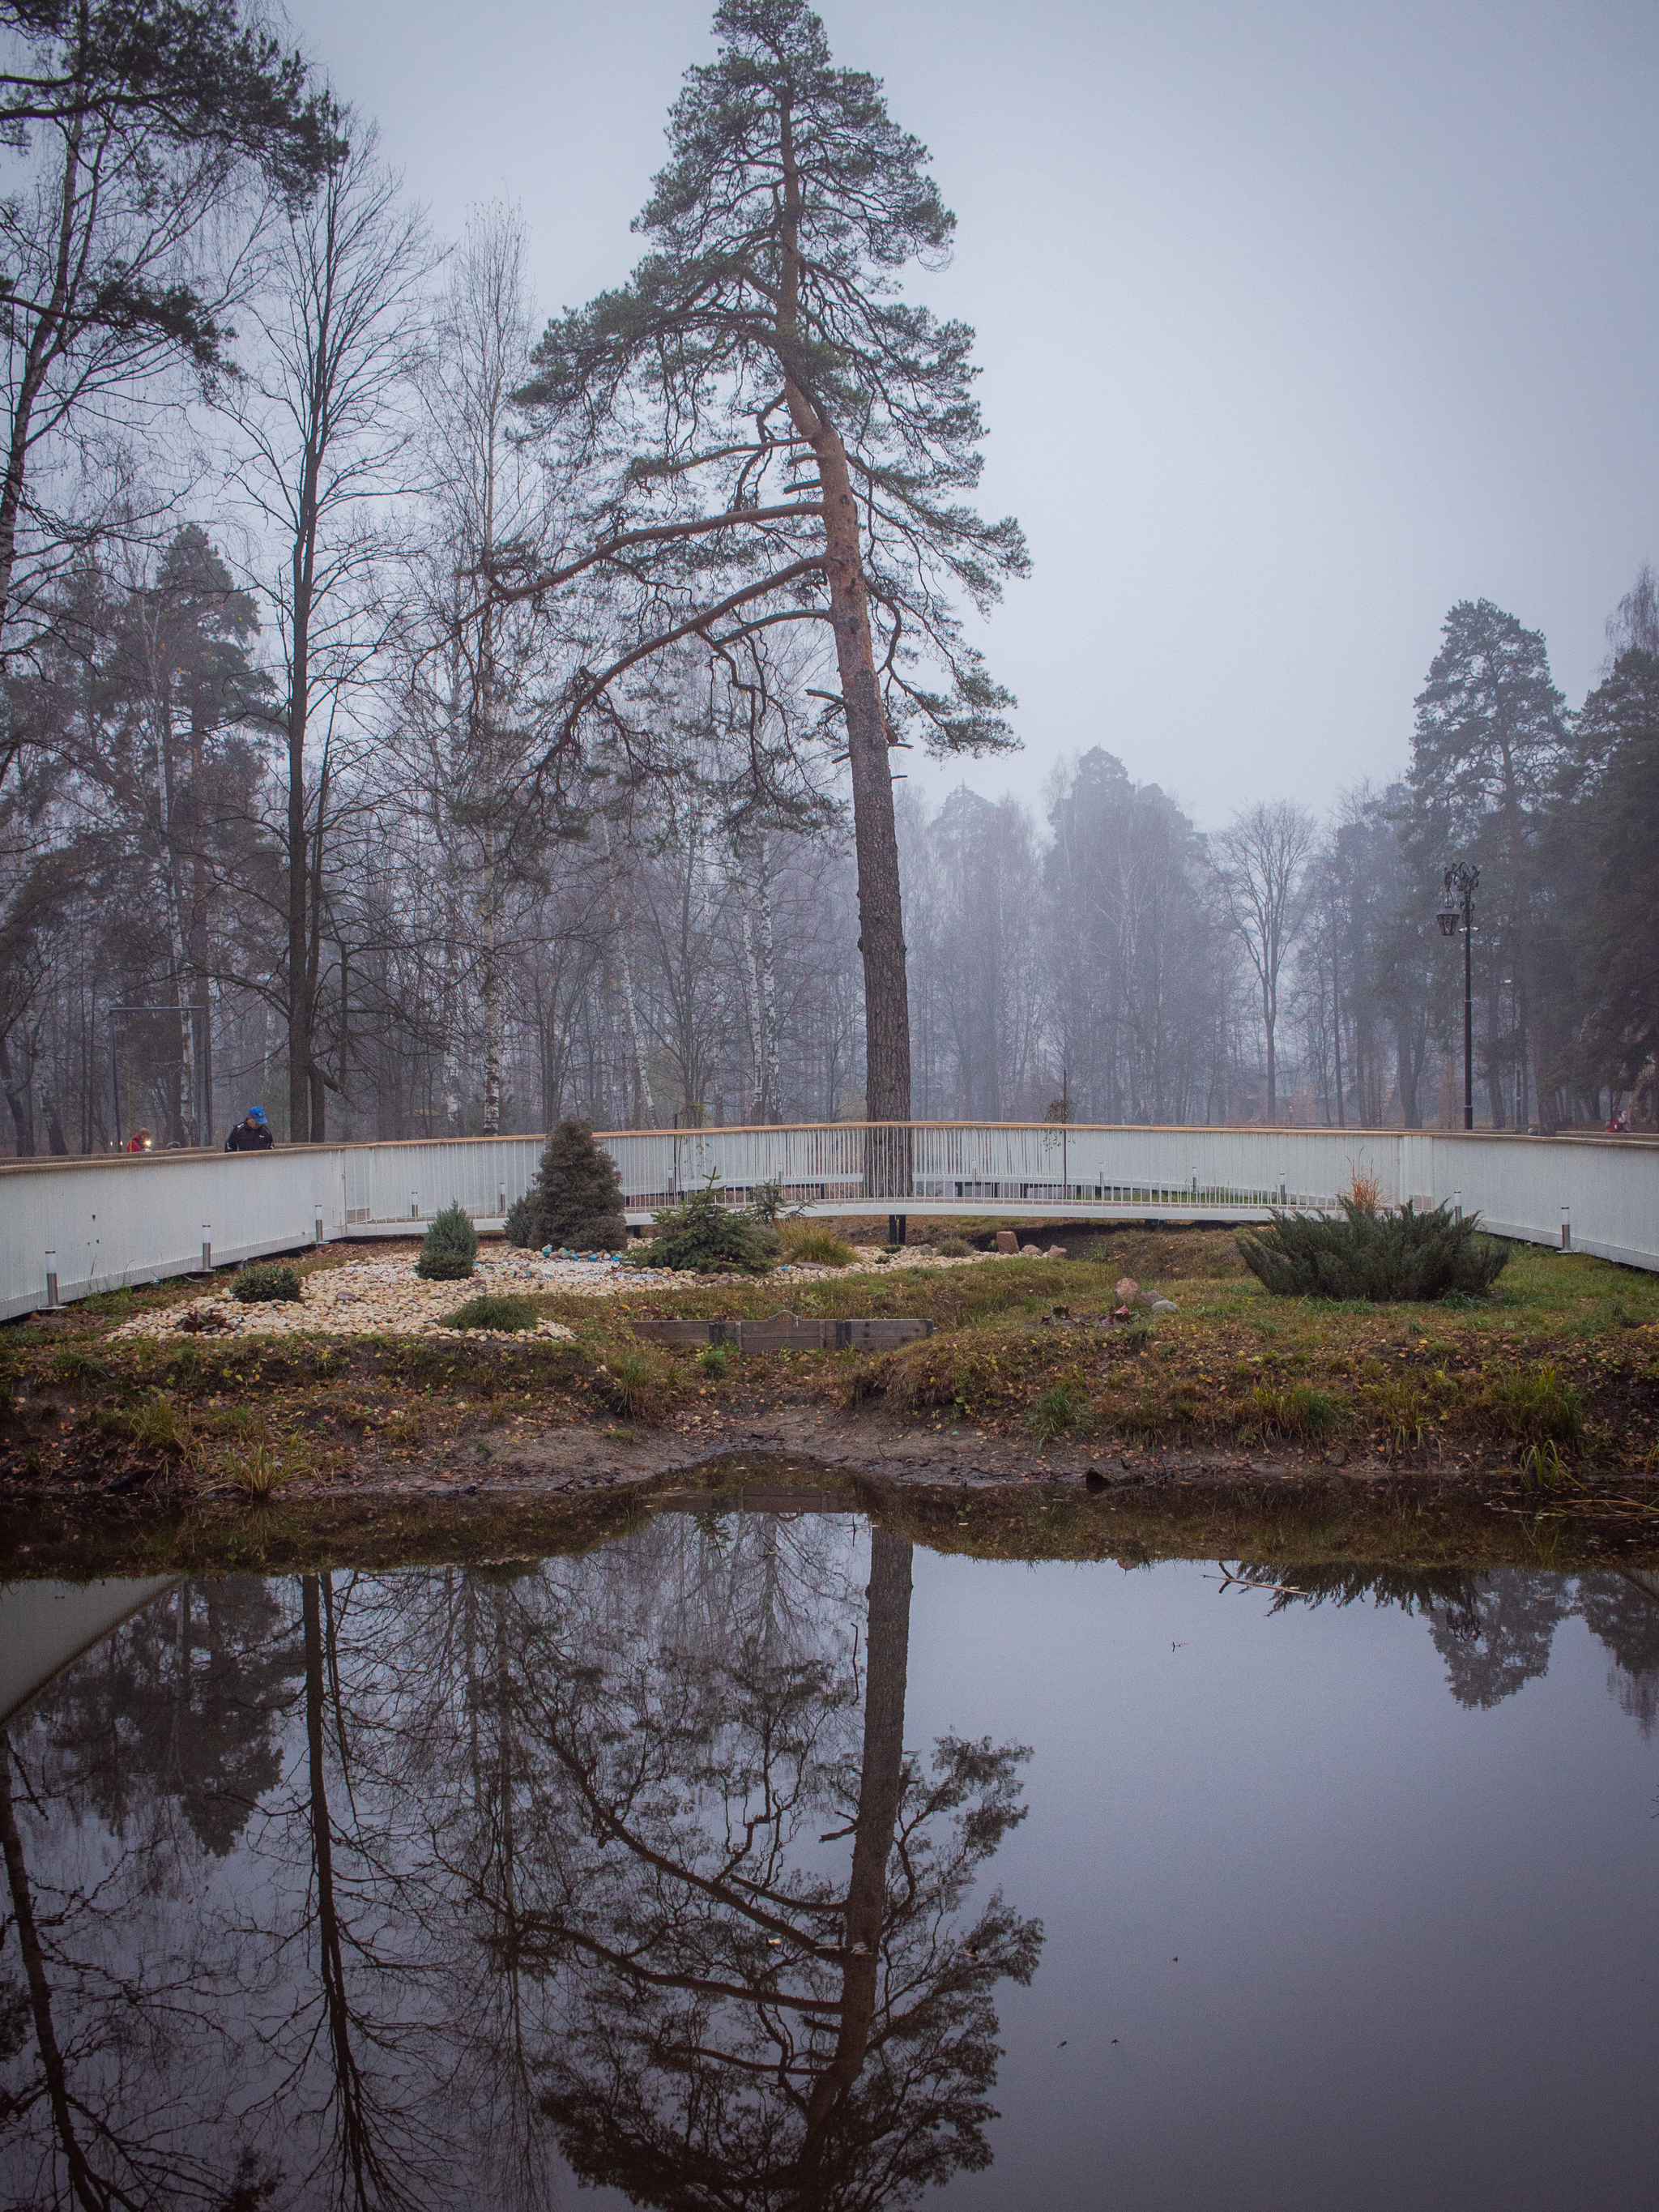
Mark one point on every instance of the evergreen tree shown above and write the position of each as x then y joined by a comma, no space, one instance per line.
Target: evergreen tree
1616,935
134,118
1488,755
576,1200
794,438
448,1249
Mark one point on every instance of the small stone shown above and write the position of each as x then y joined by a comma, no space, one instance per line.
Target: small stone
1030,1251
1055,1252
1128,1290
1006,1241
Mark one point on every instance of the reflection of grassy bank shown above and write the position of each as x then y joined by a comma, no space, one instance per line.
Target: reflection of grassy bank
1339,1530
1553,1381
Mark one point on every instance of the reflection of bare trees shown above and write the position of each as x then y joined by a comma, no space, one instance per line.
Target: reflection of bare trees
622,1855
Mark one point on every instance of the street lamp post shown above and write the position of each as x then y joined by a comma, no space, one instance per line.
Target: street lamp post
1461,886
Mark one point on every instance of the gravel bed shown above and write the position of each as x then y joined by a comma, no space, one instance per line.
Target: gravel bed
383,1297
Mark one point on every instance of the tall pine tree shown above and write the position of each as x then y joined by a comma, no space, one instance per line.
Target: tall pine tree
1487,756
1617,931
773,439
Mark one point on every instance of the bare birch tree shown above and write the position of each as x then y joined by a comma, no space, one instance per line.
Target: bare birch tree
329,433
1261,861
474,696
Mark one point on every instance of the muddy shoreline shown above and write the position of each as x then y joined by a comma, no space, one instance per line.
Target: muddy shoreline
570,1487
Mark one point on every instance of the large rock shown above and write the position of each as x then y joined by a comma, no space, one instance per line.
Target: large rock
1006,1241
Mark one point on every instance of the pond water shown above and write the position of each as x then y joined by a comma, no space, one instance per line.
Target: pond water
759,1861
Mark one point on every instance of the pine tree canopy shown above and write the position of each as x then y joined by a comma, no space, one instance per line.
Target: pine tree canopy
187,72
1491,735
1618,931
768,306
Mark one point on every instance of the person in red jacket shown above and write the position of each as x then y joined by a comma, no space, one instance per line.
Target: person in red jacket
140,1142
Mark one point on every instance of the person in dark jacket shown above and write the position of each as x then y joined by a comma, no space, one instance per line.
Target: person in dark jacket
252,1135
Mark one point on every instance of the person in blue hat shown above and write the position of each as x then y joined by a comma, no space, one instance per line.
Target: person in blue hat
252,1135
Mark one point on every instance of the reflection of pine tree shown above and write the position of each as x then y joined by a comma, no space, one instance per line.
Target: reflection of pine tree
1623,1611
742,2023
517,1868
183,1705
1501,1636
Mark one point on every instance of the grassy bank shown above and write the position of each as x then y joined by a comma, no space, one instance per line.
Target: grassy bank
1553,1381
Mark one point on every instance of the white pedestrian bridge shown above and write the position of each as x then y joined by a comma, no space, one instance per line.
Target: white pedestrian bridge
94,1224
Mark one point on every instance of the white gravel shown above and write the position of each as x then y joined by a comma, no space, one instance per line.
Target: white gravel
383,1296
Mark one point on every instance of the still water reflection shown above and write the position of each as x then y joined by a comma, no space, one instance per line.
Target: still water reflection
759,1862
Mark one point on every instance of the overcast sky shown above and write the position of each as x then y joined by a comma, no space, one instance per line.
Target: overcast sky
1298,322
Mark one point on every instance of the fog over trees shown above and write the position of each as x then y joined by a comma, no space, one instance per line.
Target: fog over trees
423,722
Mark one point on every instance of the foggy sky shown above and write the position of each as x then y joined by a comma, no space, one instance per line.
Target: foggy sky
1298,322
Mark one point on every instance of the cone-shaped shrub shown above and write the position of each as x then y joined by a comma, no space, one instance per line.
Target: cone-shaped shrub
576,1198
450,1248
1368,1254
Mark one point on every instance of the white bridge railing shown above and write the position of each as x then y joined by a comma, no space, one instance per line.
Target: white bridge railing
113,1220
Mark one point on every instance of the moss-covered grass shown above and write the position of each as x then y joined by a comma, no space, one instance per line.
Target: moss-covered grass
1566,1351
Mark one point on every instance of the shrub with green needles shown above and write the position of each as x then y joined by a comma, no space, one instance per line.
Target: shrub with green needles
449,1247
496,1311
266,1284
1381,1257
702,1235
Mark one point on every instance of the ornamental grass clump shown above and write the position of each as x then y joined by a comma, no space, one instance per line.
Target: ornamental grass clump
637,1381
814,1244
450,1247
265,1284
707,1238
1380,1256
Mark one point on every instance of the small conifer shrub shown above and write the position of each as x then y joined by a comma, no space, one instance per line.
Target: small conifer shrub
264,1284
576,1200
712,1239
451,1246
1383,1257
496,1311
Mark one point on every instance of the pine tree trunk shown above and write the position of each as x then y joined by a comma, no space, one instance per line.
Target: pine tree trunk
881,927
881,1784
769,997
